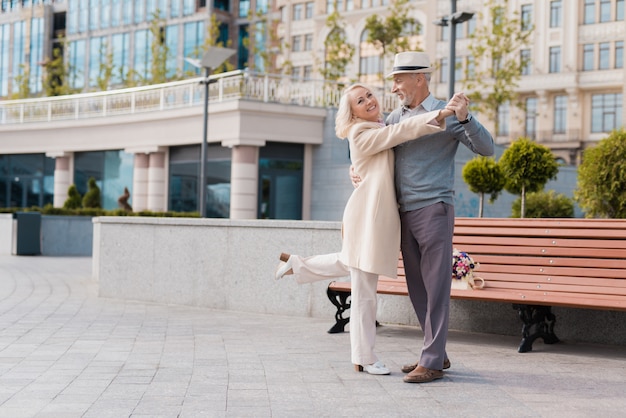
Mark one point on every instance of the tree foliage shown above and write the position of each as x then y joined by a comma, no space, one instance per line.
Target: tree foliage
339,51
394,33
159,70
57,73
74,199
22,82
106,68
527,167
544,205
496,44
92,197
483,175
601,189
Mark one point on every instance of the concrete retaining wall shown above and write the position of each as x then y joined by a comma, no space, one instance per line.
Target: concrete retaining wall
60,235
227,264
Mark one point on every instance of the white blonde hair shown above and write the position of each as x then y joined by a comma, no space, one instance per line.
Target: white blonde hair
344,119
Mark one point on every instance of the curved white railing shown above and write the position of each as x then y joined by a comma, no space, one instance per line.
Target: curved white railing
174,95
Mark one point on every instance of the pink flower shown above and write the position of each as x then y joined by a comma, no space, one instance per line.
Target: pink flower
462,264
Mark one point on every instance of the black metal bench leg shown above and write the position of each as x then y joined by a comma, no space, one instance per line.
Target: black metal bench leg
340,300
538,323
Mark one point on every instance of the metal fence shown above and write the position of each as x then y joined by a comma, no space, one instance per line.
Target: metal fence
233,85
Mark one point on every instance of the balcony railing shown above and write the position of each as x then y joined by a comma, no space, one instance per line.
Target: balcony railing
234,85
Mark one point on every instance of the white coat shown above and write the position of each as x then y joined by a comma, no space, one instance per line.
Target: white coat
371,223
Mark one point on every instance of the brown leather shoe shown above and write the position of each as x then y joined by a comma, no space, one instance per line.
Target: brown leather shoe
408,368
423,376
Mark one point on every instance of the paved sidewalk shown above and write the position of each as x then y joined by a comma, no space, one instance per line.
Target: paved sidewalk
65,352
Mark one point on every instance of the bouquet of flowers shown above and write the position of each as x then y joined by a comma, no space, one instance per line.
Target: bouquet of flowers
462,265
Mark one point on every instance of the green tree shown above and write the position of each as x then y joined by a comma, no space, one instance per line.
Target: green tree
527,167
496,45
601,188
57,71
160,51
483,176
393,33
105,68
74,199
338,51
92,197
545,205
22,82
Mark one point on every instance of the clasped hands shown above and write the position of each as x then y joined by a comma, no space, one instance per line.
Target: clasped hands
458,104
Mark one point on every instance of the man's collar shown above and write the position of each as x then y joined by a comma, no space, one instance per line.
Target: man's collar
428,104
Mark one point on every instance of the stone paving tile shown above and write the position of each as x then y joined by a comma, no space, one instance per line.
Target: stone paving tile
66,353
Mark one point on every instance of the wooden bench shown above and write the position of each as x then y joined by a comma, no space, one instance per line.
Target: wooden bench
534,264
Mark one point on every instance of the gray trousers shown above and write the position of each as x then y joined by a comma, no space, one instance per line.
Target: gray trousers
427,253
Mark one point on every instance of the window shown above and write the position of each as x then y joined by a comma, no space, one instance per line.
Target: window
527,16
308,71
606,112
140,11
619,10
555,59
531,117
310,8
183,179
189,7
244,8
443,71
470,68
588,52
143,53
308,42
297,11
4,59
105,6
175,8
605,10
193,37
36,53
330,6
112,170
349,5
589,12
77,64
503,119
121,57
171,41
619,54
525,61
261,6
295,43
116,12
556,14
471,26
97,56
19,36
72,16
295,71
604,56
560,114
458,68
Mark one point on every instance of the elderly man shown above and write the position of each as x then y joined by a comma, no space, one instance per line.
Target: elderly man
424,180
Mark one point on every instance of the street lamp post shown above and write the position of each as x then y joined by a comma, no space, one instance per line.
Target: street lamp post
453,19
212,58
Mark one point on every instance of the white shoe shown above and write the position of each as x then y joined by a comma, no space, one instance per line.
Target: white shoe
283,267
375,368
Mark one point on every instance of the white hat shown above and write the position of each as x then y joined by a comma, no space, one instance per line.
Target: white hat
411,62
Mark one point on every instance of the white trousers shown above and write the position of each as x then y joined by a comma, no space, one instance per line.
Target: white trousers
362,301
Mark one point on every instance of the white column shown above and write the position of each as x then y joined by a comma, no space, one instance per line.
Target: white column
244,182
156,182
63,176
140,182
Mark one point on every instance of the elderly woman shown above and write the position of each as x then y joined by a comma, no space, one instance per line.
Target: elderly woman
371,224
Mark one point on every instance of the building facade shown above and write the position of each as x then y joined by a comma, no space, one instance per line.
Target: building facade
572,92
